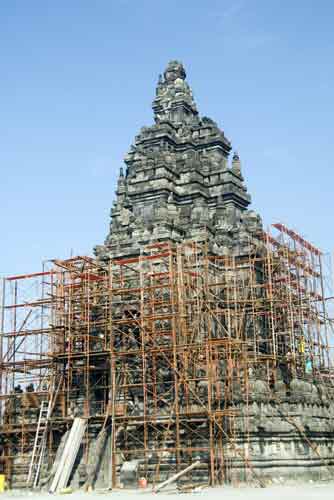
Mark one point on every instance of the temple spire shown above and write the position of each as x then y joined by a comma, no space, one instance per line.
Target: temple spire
174,100
177,185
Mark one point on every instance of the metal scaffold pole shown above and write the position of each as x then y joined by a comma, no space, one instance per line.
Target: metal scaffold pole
162,352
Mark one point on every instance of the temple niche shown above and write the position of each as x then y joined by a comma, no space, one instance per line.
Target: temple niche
179,182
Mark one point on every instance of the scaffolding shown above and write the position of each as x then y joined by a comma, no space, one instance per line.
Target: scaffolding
164,348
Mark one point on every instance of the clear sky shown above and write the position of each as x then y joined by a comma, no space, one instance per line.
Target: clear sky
77,81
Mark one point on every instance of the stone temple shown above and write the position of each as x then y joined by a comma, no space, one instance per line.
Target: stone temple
193,340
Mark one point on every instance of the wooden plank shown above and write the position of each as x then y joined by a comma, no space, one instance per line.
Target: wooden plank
176,476
72,453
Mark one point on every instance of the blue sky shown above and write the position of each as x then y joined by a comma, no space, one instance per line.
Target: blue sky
77,81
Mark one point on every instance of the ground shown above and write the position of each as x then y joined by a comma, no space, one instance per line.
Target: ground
312,491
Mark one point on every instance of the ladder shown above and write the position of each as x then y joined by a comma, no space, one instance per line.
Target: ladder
38,451
39,443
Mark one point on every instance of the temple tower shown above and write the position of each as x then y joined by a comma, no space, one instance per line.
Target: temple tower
179,183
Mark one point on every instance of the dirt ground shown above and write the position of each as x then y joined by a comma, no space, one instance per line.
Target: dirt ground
312,491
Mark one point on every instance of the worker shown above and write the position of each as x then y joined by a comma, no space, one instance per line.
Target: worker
308,366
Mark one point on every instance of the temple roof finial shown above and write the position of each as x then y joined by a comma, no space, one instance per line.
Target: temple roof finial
236,164
236,157
174,70
174,100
